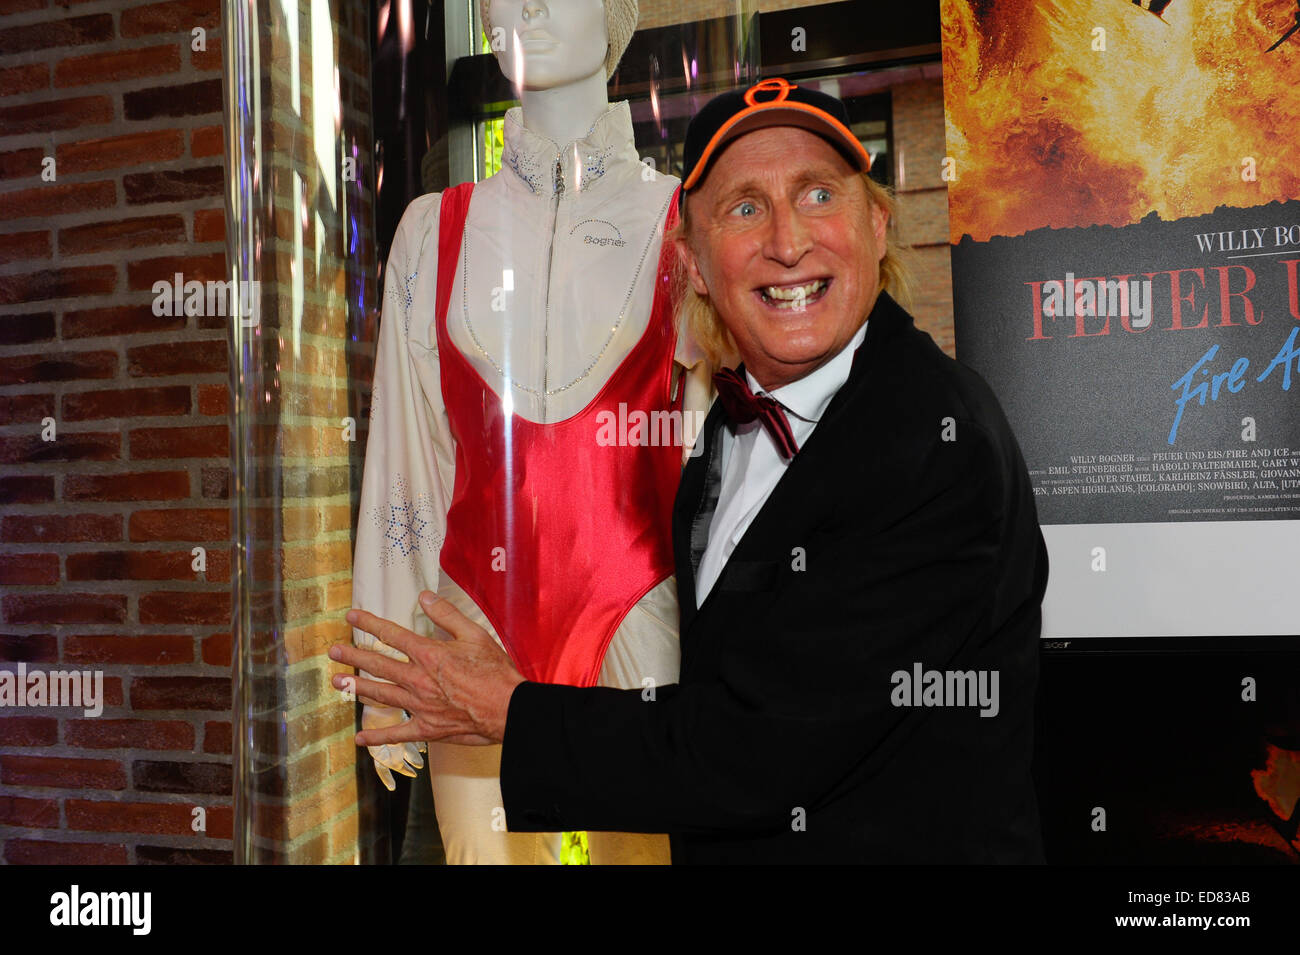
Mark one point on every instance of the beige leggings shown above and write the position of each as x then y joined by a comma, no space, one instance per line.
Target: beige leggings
466,779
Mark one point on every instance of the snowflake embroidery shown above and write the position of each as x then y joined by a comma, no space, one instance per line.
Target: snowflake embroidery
406,525
374,400
405,298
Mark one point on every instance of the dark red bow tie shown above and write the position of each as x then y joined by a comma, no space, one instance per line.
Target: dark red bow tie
743,406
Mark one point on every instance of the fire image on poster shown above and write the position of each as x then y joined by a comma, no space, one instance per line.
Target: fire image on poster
1125,213
1124,200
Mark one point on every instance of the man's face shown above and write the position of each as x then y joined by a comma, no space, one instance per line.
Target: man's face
561,42
787,244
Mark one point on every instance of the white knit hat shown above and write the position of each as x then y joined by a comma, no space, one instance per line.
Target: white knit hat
620,23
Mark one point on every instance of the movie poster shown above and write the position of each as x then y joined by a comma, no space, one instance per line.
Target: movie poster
1124,197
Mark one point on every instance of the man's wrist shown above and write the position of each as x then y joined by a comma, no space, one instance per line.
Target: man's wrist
502,716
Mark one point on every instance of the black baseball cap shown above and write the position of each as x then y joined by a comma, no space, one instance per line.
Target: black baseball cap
771,102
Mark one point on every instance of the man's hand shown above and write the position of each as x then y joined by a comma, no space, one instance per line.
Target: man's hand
457,691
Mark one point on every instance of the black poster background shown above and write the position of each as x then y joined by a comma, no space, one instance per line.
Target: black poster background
1100,407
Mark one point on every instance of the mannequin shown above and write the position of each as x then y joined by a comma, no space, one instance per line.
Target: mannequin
555,303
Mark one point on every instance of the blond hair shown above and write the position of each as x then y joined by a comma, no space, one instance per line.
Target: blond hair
698,318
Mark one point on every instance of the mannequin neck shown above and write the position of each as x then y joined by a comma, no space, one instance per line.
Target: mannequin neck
565,113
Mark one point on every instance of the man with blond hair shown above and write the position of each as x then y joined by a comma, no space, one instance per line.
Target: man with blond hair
859,564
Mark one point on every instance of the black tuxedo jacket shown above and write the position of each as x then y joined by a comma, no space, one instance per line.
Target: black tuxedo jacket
903,533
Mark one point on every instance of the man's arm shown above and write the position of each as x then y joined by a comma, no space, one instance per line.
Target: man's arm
798,703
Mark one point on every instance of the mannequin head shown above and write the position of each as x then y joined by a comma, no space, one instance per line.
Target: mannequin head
574,38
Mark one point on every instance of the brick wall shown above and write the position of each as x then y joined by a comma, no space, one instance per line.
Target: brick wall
102,510
919,148
116,435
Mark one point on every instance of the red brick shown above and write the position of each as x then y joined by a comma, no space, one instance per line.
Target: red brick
64,608
19,409
126,403
18,6
42,852
209,225
64,366
54,199
142,275
29,813
25,329
25,245
26,489
180,358
214,399
217,649
219,565
118,320
57,114
139,486
199,442
23,79
130,565
42,528
173,185
87,446
122,234
147,817
62,772
21,163
216,737
69,31
175,855
57,283
116,65
176,776
185,607
209,59
28,731
188,525
181,692
152,649
174,16
130,734
115,152
207,141
29,569
221,821
29,647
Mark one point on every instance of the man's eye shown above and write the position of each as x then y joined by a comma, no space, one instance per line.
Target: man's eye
746,209
821,195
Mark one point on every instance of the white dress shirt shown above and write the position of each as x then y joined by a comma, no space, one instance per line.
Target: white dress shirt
752,465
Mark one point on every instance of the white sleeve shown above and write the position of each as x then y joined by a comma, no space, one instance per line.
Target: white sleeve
409,466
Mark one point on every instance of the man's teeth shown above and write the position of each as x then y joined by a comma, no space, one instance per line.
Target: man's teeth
795,293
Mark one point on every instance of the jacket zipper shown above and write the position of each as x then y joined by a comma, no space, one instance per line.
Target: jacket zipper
550,258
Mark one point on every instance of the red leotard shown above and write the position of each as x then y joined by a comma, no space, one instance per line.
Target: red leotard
583,531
